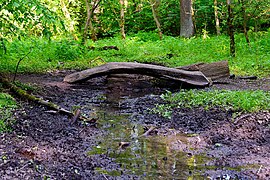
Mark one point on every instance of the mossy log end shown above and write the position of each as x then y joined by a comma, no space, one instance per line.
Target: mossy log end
195,78
23,94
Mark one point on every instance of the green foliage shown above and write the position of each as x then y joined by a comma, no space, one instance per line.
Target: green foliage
141,47
7,106
246,101
169,17
26,17
67,17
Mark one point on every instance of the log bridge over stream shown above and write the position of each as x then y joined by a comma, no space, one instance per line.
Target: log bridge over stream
198,75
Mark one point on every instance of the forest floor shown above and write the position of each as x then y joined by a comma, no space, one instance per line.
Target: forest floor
194,143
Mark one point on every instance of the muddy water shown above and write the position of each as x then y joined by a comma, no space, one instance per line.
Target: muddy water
220,149
151,157
163,154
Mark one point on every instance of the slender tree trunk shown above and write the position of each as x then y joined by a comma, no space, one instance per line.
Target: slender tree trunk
231,28
89,14
244,20
187,27
154,6
256,24
3,45
88,23
216,17
122,18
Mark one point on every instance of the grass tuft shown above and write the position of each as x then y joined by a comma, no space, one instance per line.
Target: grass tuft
241,101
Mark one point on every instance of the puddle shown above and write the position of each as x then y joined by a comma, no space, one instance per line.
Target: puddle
154,156
158,156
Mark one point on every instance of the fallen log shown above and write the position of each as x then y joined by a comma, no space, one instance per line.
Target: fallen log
23,94
195,78
213,71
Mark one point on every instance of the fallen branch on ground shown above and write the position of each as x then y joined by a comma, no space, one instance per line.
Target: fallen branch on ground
148,131
23,94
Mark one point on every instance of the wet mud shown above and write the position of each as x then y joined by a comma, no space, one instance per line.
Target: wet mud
193,144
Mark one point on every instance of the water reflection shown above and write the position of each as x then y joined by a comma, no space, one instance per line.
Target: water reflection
153,157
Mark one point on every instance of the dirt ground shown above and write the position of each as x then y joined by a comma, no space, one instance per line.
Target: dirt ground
47,145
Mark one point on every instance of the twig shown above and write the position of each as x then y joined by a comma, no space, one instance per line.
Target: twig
76,116
105,176
148,131
259,169
16,70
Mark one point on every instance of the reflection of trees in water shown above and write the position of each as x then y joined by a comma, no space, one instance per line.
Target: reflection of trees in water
155,156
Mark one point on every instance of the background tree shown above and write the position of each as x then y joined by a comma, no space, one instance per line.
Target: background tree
83,18
216,17
231,28
154,6
91,6
122,18
187,27
243,10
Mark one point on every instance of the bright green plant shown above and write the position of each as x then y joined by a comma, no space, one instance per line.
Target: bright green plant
243,101
67,53
26,17
7,106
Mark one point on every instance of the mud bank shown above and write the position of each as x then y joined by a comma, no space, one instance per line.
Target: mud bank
195,143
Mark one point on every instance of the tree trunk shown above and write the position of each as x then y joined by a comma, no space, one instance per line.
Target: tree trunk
216,17
231,28
88,23
187,27
244,20
122,19
195,78
154,6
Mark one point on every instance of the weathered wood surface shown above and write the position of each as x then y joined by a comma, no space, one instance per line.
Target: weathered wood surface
196,78
213,71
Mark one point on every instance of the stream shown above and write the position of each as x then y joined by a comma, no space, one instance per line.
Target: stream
163,154
194,144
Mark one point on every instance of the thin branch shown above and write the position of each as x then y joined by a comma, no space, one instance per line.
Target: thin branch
17,67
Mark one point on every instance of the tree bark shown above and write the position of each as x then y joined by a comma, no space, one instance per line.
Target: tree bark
195,78
187,26
216,17
154,6
122,19
231,28
213,71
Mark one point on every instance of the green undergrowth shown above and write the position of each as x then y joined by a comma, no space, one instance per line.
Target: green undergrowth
238,101
64,53
7,107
